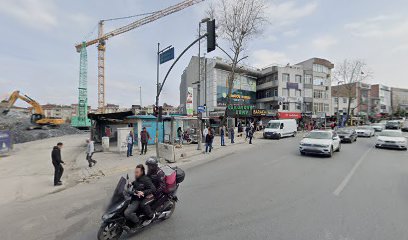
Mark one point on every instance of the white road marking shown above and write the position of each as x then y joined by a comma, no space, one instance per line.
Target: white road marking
345,181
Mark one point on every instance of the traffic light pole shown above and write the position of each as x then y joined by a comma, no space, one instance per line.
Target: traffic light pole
157,101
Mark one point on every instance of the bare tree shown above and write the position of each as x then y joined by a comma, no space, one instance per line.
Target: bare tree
348,75
238,21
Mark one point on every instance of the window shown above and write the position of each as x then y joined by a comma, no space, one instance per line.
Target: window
298,106
320,68
285,92
319,81
285,106
285,77
275,92
298,79
319,107
344,100
308,79
321,94
336,100
298,93
308,93
326,108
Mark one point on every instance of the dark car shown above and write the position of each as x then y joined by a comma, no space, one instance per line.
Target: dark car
392,124
347,135
405,126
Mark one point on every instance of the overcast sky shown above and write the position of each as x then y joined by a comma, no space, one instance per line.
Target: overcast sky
37,54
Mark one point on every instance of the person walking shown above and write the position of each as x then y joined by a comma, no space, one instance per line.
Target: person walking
130,144
144,139
209,140
222,134
247,129
250,135
232,134
90,149
57,162
180,135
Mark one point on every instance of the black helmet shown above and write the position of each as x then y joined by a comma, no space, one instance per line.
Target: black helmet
152,161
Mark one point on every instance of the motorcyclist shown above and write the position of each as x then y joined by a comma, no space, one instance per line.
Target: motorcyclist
142,187
156,175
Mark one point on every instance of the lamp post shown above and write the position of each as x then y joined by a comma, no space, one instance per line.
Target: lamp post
199,147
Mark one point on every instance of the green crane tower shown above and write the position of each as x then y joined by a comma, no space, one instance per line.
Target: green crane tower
81,120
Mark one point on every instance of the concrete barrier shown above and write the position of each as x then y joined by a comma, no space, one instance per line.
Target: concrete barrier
167,152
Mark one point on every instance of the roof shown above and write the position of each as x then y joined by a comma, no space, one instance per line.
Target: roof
141,117
110,116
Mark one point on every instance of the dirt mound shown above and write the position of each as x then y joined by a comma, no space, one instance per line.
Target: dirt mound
18,122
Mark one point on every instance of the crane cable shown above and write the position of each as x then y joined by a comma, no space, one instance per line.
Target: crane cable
89,35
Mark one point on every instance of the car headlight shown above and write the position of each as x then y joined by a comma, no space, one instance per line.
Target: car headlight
401,141
326,146
380,141
301,144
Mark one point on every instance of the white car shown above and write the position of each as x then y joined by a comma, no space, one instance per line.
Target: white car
365,131
320,142
391,139
378,127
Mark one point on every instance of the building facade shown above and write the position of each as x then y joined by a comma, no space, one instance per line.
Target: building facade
399,99
381,99
214,85
58,111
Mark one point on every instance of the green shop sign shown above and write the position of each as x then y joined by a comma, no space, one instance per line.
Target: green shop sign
239,110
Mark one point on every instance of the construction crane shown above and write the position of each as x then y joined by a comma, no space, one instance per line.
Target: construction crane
37,117
102,37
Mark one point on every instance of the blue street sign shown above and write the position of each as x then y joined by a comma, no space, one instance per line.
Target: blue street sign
201,109
167,55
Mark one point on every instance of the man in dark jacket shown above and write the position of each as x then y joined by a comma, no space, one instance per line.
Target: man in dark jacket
57,162
144,138
142,187
157,175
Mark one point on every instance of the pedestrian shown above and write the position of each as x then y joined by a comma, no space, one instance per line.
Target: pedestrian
57,162
90,149
247,129
130,141
144,138
208,141
107,131
205,132
180,135
232,133
222,134
250,135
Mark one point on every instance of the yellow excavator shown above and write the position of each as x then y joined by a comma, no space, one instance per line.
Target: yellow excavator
37,117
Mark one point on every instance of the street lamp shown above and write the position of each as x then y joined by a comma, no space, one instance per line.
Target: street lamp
199,147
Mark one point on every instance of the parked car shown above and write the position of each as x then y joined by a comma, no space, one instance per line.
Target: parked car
378,127
347,135
391,139
404,127
280,128
365,131
393,124
320,142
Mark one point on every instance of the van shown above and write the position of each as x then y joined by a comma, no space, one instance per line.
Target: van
280,128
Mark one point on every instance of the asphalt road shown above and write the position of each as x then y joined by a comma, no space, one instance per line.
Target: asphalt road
266,192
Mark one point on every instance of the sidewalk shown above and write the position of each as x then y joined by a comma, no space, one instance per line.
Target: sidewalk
111,163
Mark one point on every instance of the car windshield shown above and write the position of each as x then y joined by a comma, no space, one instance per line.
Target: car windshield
273,125
392,123
319,135
364,128
390,134
344,131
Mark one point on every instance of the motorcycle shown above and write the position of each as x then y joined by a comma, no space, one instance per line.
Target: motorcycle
114,223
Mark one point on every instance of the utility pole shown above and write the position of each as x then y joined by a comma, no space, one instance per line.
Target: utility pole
199,114
140,95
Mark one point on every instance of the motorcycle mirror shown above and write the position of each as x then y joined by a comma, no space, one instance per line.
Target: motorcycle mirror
127,176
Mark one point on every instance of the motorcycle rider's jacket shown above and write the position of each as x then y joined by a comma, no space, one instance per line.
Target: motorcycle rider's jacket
158,178
143,184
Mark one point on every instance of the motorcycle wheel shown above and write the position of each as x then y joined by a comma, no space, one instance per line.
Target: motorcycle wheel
109,231
171,208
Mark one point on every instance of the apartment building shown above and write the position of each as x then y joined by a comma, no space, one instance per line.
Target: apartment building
58,111
399,99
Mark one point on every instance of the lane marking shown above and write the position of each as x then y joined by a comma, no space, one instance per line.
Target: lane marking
346,180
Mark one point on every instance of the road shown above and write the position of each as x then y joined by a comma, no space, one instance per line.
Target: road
266,192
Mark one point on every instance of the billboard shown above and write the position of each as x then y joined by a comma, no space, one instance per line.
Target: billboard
239,110
243,90
5,142
189,102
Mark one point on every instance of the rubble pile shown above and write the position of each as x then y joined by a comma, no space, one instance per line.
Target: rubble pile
18,123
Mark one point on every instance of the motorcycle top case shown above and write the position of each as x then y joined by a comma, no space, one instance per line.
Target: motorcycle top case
170,178
180,174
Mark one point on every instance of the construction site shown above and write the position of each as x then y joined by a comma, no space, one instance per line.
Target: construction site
33,123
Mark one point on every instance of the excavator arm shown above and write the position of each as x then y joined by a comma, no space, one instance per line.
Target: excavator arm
16,95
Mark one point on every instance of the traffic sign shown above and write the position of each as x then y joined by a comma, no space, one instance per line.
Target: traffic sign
167,55
201,109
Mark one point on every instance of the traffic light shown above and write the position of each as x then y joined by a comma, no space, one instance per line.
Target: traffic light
211,37
160,113
155,111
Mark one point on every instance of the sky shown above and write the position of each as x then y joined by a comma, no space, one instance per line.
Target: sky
37,54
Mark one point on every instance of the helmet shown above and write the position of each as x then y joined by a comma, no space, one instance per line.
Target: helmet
152,161
152,165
